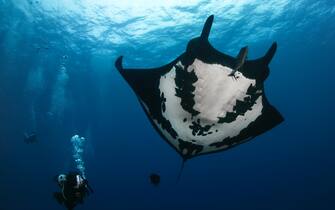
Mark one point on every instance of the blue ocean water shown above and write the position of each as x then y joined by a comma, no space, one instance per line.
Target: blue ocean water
57,78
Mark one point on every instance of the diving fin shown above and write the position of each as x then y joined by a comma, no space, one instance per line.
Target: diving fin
90,188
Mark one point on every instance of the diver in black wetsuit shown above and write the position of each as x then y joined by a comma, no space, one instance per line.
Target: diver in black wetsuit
73,189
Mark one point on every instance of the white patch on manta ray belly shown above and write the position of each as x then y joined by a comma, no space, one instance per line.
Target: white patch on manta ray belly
174,111
234,128
215,91
215,95
173,141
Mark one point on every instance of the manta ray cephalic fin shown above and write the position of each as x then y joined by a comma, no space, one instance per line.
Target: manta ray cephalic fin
270,53
207,28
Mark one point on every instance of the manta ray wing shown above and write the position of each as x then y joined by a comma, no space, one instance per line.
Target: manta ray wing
205,101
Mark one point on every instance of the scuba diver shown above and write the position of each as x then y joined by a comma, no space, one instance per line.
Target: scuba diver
74,188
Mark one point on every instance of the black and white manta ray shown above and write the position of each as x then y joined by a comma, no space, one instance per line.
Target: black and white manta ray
205,101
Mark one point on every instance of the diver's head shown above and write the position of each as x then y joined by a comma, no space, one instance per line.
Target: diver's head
61,179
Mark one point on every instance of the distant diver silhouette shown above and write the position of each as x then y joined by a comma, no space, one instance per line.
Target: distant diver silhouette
30,138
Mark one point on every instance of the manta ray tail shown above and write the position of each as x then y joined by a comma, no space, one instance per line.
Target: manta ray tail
207,27
269,54
181,170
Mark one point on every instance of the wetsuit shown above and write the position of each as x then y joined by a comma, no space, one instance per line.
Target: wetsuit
74,189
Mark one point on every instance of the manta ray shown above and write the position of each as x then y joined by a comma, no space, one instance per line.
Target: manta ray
205,101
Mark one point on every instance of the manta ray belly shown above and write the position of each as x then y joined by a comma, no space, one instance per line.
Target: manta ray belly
215,95
215,91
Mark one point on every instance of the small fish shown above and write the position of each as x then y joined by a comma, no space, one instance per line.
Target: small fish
155,179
